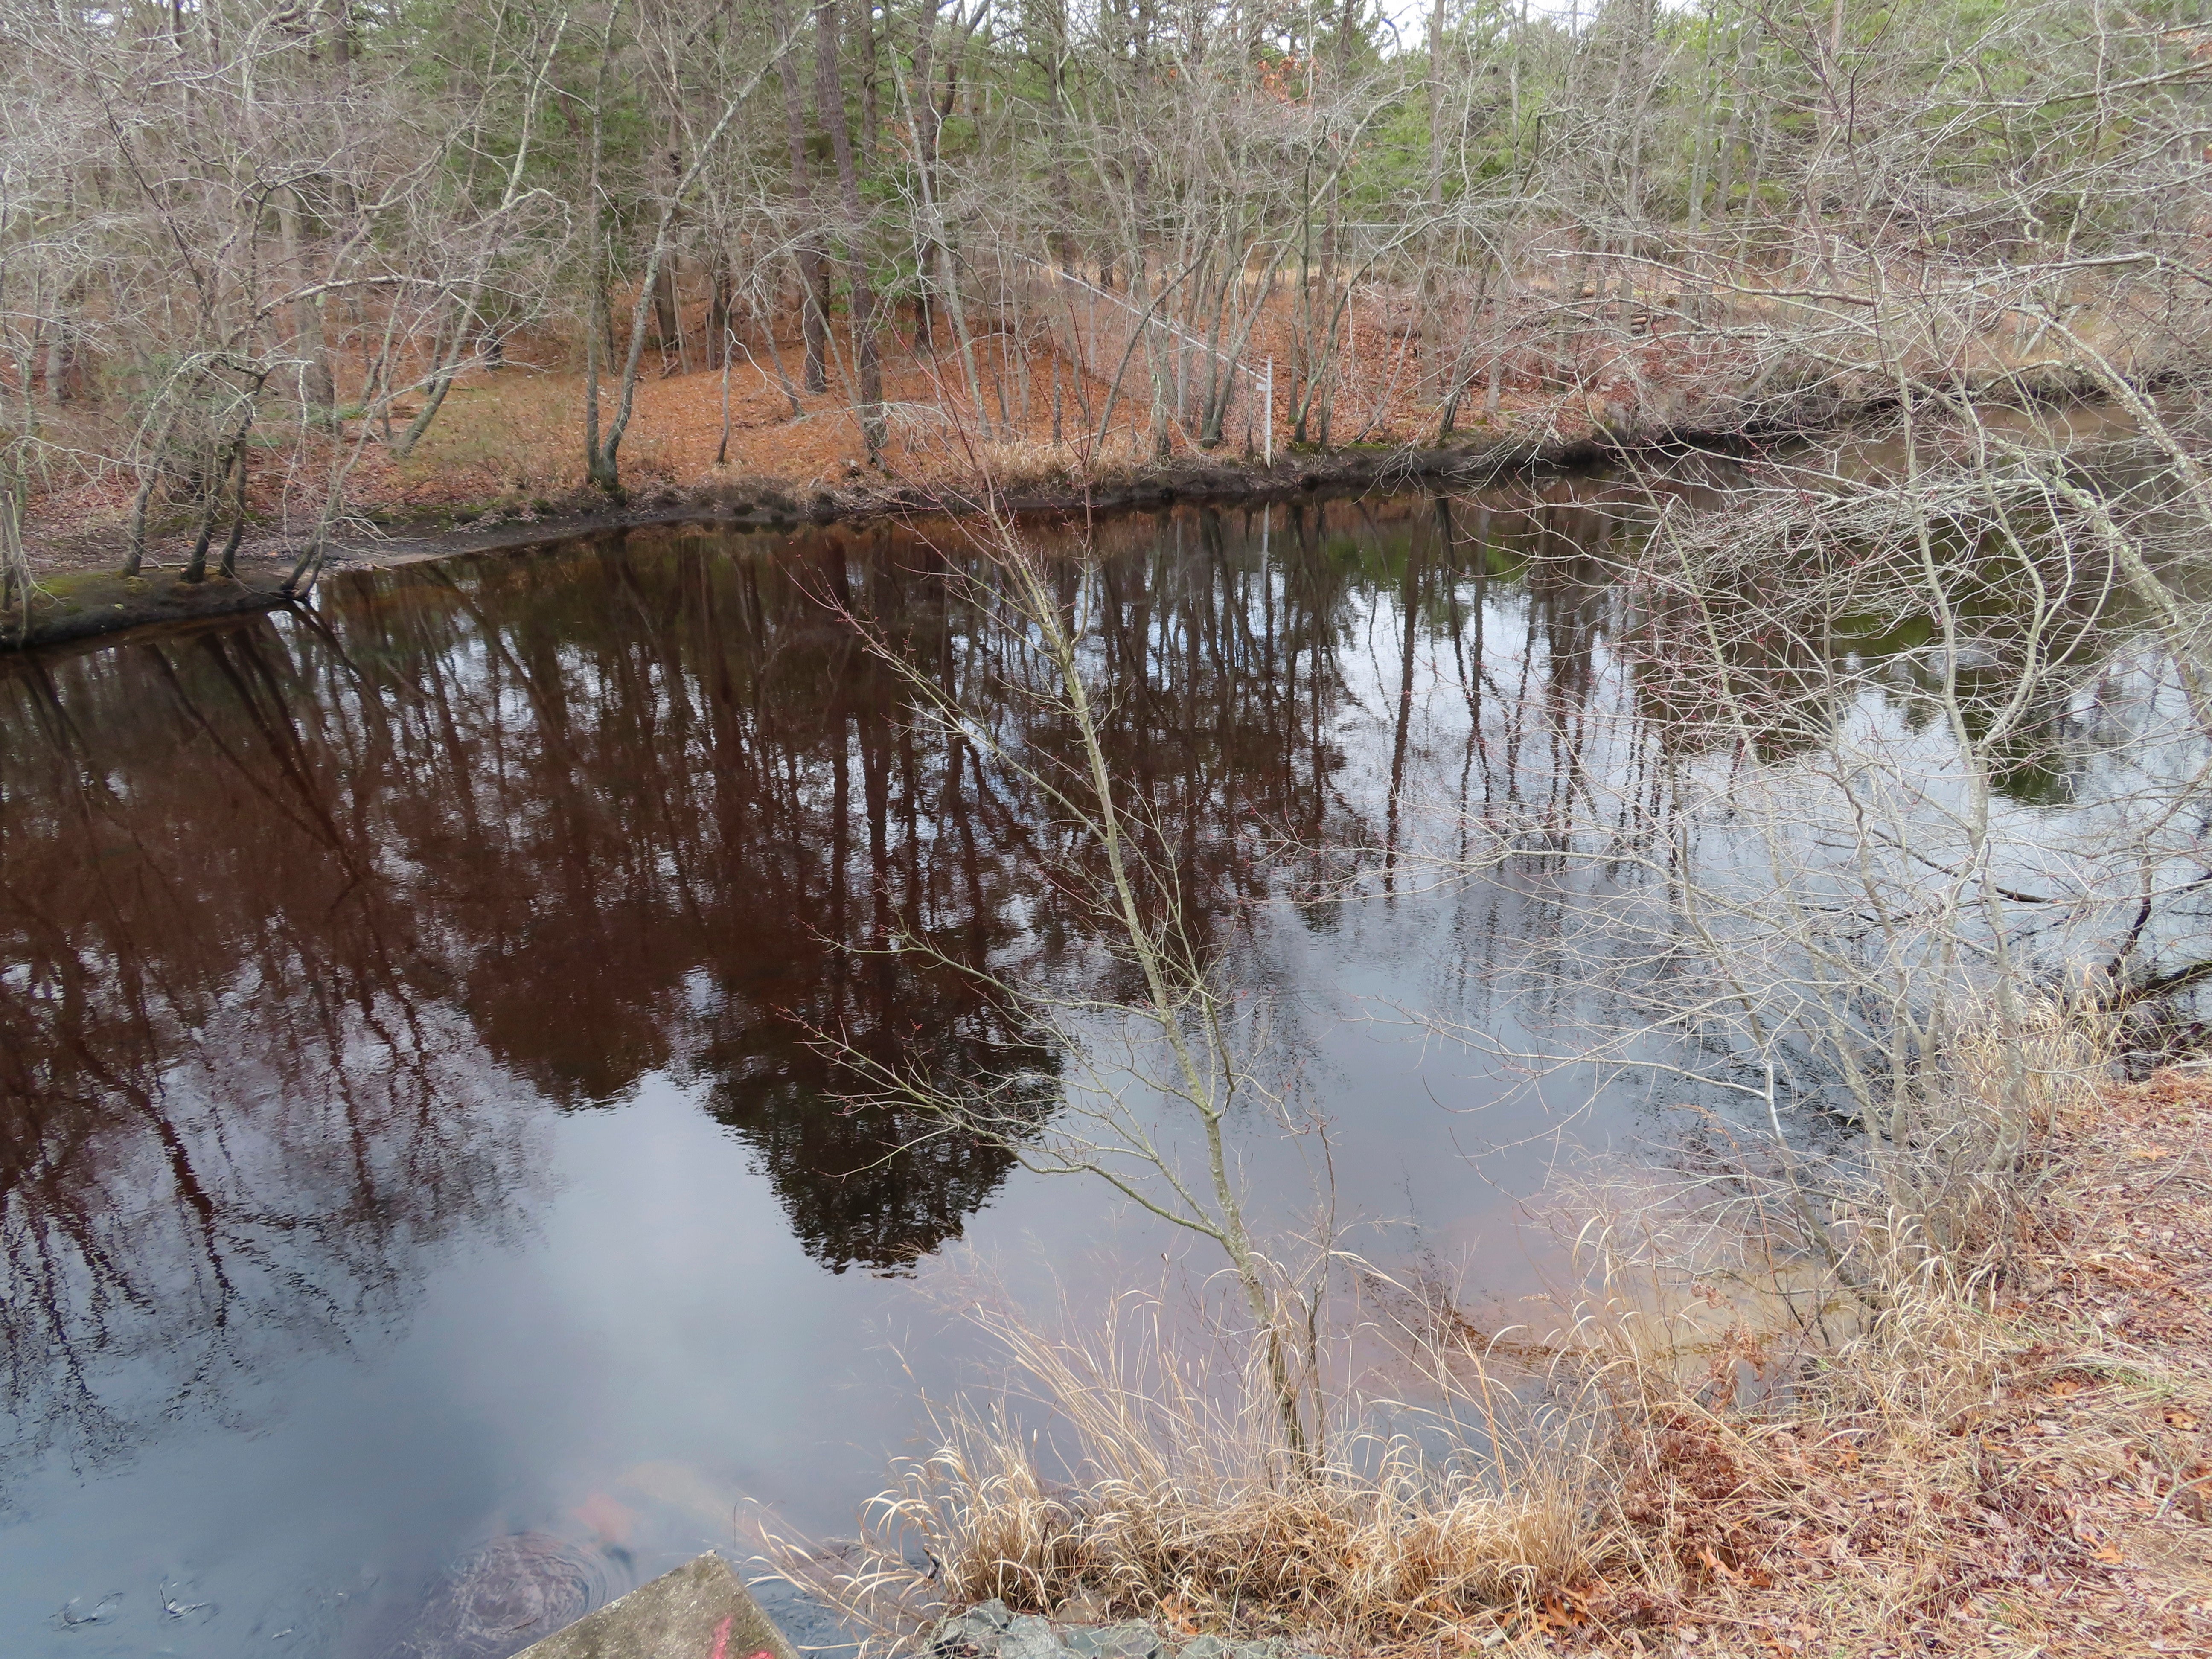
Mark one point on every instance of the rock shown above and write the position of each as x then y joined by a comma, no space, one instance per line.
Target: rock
1133,1640
699,1608
1028,1636
978,1633
991,1631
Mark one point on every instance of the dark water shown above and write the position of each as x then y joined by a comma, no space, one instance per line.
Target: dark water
426,1214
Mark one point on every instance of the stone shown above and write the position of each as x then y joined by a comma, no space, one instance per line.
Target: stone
974,1634
1204,1647
1133,1639
1029,1637
700,1611
1136,1640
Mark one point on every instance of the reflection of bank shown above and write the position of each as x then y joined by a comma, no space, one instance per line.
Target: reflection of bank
872,1184
184,1238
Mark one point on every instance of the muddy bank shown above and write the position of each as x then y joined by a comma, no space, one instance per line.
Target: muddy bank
83,603
762,505
79,604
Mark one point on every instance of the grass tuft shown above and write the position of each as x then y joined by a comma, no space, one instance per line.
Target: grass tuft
1150,1494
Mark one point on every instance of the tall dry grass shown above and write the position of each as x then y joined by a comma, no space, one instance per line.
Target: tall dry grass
1954,1461
1127,1473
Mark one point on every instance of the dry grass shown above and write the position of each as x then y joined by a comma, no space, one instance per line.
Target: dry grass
2001,1462
2007,1455
1153,1492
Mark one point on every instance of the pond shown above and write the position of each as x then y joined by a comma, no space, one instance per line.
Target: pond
429,1208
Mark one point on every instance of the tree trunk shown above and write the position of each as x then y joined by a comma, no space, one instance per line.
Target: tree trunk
830,99
318,390
813,274
599,466
668,333
1432,330
718,312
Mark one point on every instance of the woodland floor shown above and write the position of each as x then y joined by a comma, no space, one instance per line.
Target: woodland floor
508,443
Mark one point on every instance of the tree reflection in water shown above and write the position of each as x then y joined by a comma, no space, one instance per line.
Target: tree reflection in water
299,918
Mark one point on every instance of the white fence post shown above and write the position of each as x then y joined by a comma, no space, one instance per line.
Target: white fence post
1268,419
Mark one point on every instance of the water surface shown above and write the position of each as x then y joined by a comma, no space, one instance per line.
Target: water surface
426,1210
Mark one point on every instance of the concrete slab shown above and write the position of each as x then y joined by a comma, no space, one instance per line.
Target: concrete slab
700,1611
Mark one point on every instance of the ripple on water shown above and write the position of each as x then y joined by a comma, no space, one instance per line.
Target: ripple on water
505,1594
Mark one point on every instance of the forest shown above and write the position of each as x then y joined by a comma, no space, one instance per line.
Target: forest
269,272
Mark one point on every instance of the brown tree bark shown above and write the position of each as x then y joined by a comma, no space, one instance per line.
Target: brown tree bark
316,388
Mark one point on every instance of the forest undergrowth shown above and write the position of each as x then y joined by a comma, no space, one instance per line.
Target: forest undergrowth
279,275
505,451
